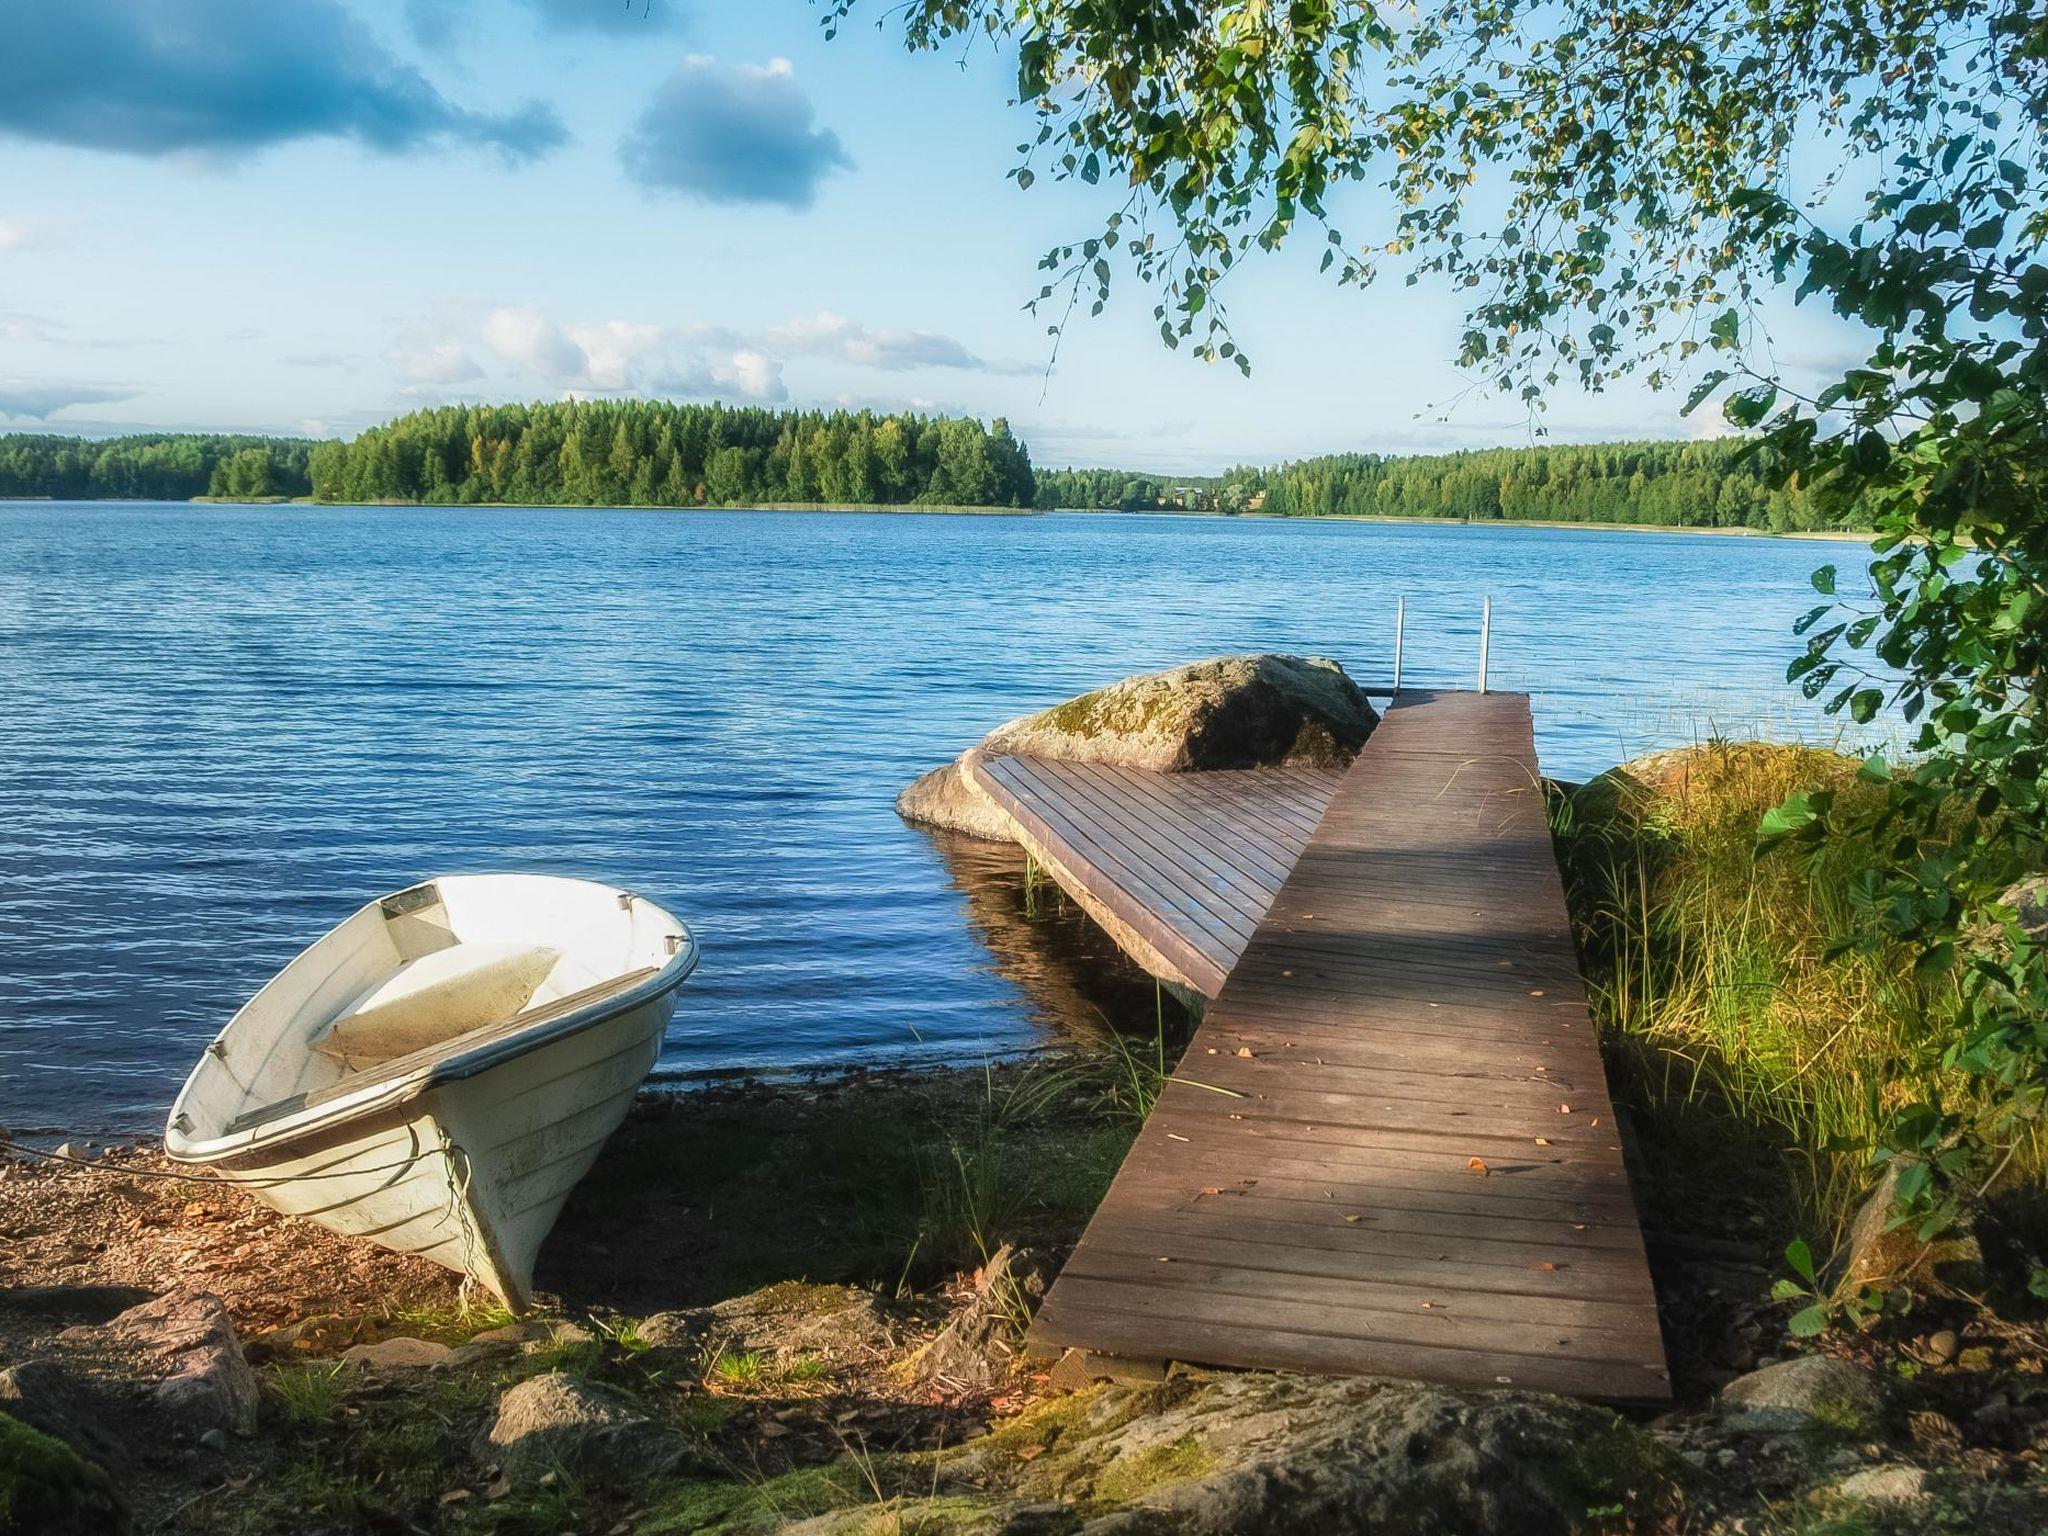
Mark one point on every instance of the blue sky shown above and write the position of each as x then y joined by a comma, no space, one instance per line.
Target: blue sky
309,215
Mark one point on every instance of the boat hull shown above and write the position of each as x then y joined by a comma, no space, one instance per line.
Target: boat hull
470,1173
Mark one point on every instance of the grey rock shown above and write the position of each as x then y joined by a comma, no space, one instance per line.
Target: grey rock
554,1423
945,799
1227,712
1216,1456
389,1356
1894,1484
1812,1391
214,1440
206,1381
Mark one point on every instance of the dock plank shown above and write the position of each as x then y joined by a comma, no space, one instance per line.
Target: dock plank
1187,863
1390,1148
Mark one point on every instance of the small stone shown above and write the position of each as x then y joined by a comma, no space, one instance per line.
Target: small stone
1941,1346
400,1354
214,1440
1894,1484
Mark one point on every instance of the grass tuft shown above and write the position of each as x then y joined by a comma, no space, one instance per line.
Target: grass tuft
1737,1038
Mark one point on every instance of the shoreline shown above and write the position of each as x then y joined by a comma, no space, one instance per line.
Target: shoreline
912,509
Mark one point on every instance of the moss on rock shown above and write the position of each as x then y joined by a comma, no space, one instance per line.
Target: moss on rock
1262,711
48,1489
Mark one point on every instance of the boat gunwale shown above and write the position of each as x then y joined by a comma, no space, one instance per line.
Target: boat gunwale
349,1108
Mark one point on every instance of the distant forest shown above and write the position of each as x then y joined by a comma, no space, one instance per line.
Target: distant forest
1669,484
653,454
158,467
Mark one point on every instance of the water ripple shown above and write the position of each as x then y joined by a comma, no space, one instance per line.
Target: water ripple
224,728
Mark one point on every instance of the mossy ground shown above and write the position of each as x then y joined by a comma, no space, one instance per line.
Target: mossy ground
45,1486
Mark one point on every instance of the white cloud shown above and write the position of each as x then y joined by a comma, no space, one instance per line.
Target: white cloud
615,353
754,374
427,353
618,356
527,339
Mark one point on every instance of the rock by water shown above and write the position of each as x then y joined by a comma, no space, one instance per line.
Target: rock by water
1259,711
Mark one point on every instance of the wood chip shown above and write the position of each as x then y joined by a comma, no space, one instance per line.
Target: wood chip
1478,1164
1244,1051
1170,1136
1542,1141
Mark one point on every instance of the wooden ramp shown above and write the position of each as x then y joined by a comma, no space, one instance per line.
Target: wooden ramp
1389,1149
1178,867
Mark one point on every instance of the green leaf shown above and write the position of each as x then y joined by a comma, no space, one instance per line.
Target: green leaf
1824,581
1808,1322
1794,812
1800,1257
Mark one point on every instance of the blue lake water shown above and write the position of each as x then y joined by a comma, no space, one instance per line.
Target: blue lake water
222,729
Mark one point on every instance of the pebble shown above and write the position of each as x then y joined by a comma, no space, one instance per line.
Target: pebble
214,1440
1942,1346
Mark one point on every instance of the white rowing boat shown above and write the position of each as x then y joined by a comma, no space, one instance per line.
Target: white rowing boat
439,1071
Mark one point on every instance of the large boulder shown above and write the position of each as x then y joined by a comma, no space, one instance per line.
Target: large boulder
1259,711
1200,1455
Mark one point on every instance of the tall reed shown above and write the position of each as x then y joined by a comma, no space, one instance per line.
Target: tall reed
1711,980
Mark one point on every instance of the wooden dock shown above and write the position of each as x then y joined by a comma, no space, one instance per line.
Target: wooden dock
1179,867
1389,1148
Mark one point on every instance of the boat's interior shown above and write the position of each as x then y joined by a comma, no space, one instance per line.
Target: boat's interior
421,976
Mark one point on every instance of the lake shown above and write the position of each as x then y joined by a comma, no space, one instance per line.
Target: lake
222,729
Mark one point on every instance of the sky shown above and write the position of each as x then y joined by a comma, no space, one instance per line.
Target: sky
307,216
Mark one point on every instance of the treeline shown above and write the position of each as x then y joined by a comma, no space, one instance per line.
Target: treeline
1668,484
157,467
655,454
1122,490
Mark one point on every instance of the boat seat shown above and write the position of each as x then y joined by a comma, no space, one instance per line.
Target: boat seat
435,998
